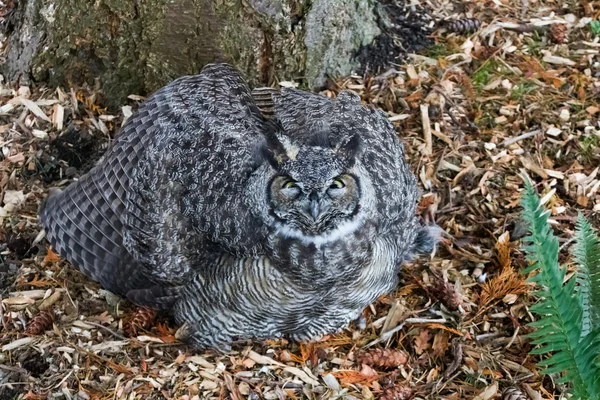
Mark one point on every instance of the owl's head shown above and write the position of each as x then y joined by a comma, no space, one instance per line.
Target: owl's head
315,192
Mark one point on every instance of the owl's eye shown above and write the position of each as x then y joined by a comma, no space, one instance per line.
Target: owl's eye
289,185
337,184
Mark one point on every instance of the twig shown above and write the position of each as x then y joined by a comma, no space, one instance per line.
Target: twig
521,28
426,129
115,334
471,124
425,321
455,66
526,135
386,335
514,336
457,351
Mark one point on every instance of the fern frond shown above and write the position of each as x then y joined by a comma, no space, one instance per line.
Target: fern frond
587,256
559,327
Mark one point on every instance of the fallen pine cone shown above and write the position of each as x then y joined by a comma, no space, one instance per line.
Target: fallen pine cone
396,393
513,393
445,292
558,33
40,323
463,25
382,358
142,319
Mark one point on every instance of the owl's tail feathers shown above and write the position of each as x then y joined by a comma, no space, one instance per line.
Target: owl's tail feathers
157,297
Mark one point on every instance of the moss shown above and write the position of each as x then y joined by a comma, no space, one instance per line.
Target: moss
522,89
588,145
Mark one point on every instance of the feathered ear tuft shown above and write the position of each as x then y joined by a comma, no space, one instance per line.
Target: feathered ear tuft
351,149
273,150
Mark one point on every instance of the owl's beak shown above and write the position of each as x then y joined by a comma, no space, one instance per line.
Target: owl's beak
314,208
314,205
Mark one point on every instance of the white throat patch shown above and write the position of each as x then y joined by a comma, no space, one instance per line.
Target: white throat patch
344,229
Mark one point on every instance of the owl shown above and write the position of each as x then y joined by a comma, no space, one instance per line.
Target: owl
247,214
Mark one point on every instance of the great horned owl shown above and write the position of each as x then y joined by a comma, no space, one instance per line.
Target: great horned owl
279,221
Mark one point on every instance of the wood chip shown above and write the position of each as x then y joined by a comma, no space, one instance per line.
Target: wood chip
34,108
556,60
49,302
426,129
18,343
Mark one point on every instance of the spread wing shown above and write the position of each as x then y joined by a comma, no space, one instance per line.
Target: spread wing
167,196
84,222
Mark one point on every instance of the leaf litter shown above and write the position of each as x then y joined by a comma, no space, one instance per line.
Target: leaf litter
510,87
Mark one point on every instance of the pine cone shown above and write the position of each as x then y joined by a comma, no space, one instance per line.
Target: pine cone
382,358
513,393
142,319
558,33
396,393
40,323
445,292
463,25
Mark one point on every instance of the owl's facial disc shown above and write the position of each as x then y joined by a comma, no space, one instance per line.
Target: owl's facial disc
313,209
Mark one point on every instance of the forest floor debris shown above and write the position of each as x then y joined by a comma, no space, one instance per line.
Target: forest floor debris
476,111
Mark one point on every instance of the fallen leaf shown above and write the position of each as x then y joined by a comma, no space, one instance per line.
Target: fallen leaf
441,343
51,257
422,341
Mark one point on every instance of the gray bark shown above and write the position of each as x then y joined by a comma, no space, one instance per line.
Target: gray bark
136,46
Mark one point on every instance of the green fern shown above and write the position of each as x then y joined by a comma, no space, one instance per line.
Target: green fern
561,307
587,257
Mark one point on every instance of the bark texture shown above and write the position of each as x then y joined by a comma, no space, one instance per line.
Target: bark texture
133,46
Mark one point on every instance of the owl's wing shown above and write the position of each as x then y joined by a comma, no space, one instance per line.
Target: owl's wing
185,202
84,223
168,193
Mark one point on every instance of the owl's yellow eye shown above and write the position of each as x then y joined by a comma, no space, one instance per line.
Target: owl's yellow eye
289,185
337,184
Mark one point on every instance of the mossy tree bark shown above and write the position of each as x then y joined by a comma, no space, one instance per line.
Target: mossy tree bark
133,46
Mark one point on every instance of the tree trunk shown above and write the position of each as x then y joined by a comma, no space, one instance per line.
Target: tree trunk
136,46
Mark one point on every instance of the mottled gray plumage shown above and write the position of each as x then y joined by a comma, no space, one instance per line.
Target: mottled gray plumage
284,220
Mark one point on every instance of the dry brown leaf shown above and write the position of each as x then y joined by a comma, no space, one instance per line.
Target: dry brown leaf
51,257
441,343
309,353
422,341
366,376
104,318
